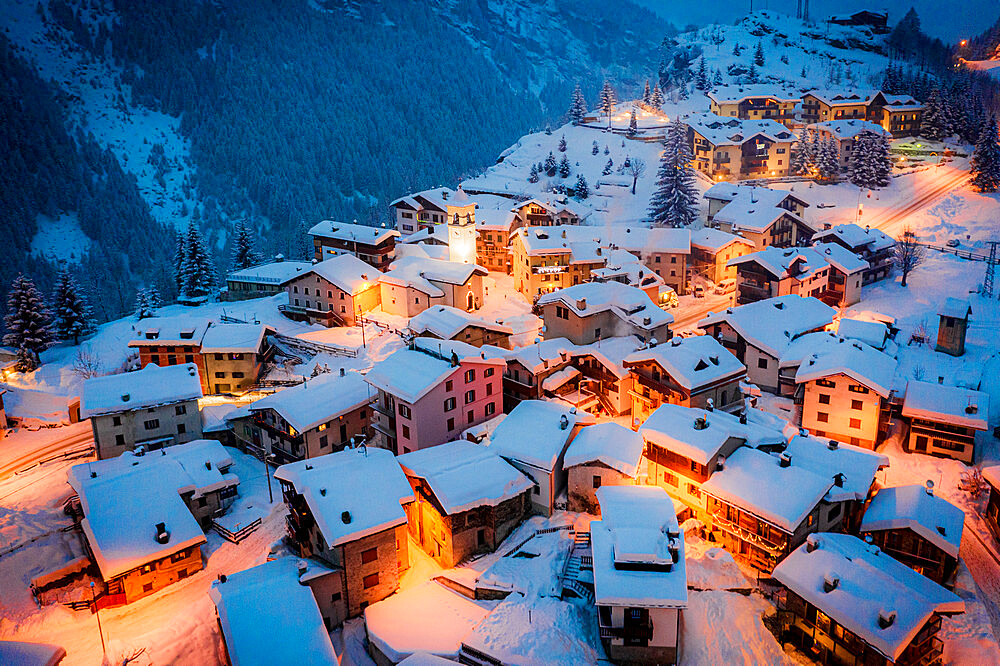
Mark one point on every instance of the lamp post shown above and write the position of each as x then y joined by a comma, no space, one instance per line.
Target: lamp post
265,456
97,612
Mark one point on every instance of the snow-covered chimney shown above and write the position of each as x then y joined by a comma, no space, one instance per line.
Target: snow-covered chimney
162,534
720,464
581,304
785,460
563,422
831,581
812,543
929,487
886,618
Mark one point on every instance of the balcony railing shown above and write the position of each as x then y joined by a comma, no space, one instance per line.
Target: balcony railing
630,632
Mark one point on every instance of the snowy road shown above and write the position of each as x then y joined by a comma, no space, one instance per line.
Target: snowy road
946,180
28,458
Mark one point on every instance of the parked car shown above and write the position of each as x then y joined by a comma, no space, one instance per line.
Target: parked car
699,291
954,242
726,286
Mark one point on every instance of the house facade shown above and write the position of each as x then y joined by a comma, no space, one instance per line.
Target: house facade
712,250
753,102
944,420
171,341
414,284
587,313
262,280
334,292
900,115
732,149
153,408
871,245
376,246
447,323
826,271
234,356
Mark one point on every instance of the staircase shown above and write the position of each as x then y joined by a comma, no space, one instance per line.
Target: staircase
577,577
547,530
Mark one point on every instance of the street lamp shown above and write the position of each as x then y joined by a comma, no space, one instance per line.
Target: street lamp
266,457
97,612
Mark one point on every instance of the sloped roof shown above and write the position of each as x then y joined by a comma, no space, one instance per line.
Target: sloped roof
411,372
856,237
317,400
347,273
533,432
771,324
141,389
947,404
698,434
692,362
914,507
616,446
275,272
234,338
446,322
360,233
720,131
865,365
631,304
420,273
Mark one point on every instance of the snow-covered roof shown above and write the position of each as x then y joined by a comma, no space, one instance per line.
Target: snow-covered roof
765,196
623,266
758,483
438,198
464,475
714,240
630,304
347,273
19,653
234,338
828,458
848,129
869,583
609,352
872,333
559,378
149,387
917,508
616,446
182,330
992,475
317,400
743,92
638,549
698,434
583,241
352,493
840,258
435,620
856,237
746,214
270,596
723,131
957,308
275,272
947,404
533,433
866,365
493,219
771,324
359,233
421,273
840,98
124,498
802,263
692,362
446,322
534,357
411,372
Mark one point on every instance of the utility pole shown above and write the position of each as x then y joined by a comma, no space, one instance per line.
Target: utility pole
97,612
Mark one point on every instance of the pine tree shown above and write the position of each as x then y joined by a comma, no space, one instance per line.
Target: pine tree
179,254
752,76
582,189
607,101
578,106
674,202
244,254
646,93
633,127
934,123
656,97
594,149
74,316
28,324
564,169
736,49
828,161
197,267
562,144
550,165
607,150
533,174
758,55
608,167
986,159
871,164
717,78
701,78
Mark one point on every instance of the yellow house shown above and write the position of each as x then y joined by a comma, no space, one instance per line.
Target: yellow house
753,102
733,149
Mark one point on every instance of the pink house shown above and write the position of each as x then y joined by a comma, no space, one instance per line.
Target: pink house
431,391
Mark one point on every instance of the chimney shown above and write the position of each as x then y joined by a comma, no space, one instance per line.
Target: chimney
838,479
700,423
303,567
785,460
126,397
223,578
675,550
710,405
720,464
886,618
929,487
563,422
322,491
971,409
345,517
743,417
208,464
646,321
162,535
342,373
581,304
812,543
831,581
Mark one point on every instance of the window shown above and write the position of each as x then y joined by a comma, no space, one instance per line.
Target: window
762,363
178,410
147,587
151,424
857,405
449,404
597,481
335,597
370,581
824,399
449,385
597,333
369,555
470,375
116,420
323,442
451,424
220,375
694,466
670,479
470,396
834,512
202,502
237,375
491,408
693,490
826,383
181,428
857,388
147,568
406,431
119,440
823,417
536,490
404,411
177,557
856,424
488,372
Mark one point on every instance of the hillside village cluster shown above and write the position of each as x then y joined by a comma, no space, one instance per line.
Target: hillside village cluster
572,484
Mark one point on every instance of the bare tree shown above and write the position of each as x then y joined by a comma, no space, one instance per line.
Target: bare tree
909,253
636,167
87,364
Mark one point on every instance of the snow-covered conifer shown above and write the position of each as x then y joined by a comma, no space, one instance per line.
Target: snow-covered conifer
564,169
608,167
198,271
582,189
871,164
550,165
578,106
562,144
701,78
74,316
674,201
646,93
758,55
986,159
594,149
28,321
934,122
656,97
633,127
828,159
607,101
533,174
244,254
